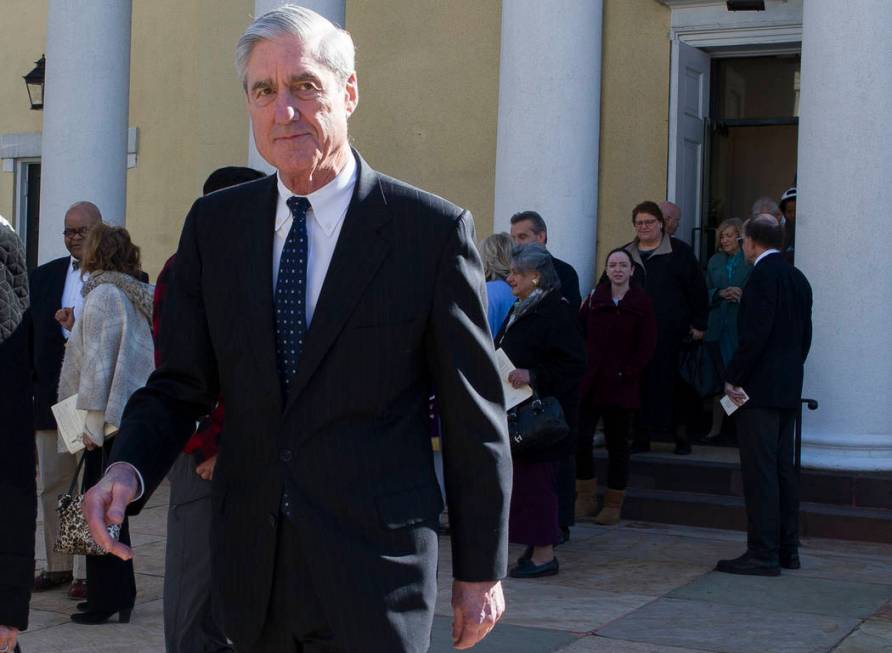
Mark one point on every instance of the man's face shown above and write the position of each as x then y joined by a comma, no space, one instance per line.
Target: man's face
522,233
77,224
670,217
298,107
790,210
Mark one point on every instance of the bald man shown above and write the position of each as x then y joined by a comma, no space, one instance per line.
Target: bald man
671,216
55,298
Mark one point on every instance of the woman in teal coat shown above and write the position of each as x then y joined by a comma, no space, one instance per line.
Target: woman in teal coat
726,275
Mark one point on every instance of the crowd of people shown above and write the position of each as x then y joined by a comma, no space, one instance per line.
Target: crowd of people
324,478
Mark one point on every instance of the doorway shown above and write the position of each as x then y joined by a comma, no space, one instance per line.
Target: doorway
751,139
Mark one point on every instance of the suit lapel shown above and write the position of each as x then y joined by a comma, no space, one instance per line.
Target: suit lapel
259,287
362,246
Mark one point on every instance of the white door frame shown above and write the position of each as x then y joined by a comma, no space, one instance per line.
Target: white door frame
707,25
21,190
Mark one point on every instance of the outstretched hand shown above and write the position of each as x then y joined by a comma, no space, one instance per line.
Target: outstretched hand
476,608
106,502
8,636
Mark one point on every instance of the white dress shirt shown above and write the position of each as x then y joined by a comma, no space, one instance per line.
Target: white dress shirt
764,254
71,295
328,207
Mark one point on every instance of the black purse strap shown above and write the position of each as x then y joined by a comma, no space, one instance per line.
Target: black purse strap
80,466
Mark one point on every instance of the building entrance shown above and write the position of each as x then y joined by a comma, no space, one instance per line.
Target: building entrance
751,137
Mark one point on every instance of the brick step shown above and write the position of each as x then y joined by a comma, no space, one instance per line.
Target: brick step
728,512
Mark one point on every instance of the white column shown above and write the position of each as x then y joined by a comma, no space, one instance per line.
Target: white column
334,10
86,105
549,121
843,215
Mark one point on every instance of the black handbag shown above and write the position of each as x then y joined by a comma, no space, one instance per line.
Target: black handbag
700,366
537,423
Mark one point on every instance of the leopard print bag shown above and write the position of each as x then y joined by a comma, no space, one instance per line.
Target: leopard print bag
74,534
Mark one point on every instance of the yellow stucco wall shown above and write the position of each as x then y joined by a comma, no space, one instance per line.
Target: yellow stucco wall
634,115
188,105
428,95
22,34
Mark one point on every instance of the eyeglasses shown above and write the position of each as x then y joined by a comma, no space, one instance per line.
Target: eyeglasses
645,223
71,233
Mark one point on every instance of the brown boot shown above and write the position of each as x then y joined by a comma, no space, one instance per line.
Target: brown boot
613,505
586,503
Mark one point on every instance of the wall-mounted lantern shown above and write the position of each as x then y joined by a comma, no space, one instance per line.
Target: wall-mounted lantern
34,82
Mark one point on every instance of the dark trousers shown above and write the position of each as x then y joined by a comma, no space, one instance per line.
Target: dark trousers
656,418
295,622
770,482
189,623
111,585
616,432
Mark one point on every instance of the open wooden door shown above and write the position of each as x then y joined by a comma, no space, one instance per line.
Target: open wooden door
688,116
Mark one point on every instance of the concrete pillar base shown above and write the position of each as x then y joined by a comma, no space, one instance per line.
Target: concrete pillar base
847,451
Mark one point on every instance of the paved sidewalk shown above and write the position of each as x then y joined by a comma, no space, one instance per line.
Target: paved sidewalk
633,588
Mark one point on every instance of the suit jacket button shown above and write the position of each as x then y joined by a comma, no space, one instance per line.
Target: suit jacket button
285,455
272,521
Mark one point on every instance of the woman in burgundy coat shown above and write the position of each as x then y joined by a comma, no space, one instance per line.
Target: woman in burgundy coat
621,335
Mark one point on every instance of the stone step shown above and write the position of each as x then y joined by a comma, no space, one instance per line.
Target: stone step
727,512
716,471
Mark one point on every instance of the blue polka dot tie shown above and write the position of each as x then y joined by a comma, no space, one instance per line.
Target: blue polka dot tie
291,294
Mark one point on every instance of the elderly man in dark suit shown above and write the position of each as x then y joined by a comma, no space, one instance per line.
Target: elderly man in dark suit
322,303
775,336
56,298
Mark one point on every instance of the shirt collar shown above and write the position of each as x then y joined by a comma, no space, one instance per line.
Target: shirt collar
764,254
71,263
328,203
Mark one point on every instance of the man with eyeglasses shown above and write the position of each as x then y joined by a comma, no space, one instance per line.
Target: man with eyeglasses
56,299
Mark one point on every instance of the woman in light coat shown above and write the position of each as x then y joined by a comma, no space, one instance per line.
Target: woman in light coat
110,355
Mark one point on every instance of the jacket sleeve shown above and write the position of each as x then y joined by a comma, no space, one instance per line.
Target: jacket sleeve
102,328
476,456
160,417
757,315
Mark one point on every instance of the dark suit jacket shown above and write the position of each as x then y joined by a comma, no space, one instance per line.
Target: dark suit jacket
47,342
775,335
401,309
569,282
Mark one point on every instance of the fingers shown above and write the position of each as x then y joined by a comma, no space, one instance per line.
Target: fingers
105,503
8,638
458,624
471,634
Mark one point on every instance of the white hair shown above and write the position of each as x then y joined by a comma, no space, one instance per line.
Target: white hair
764,205
331,45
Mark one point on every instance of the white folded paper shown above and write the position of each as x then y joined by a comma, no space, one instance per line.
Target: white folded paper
513,396
729,405
71,422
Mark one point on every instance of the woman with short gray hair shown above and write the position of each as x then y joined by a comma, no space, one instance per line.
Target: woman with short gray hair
543,342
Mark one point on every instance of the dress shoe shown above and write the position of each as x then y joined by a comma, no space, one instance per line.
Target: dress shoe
748,565
532,570
790,561
95,617
683,449
47,580
565,535
639,447
83,606
78,589
526,556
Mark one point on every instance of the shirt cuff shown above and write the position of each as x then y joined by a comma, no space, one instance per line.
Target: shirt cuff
142,484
